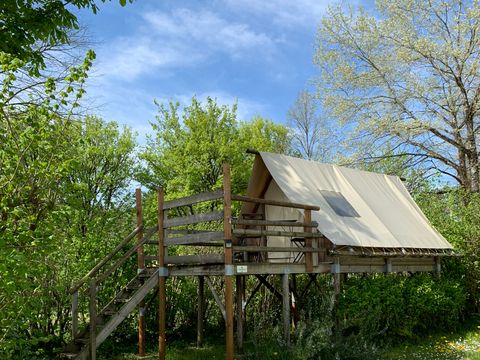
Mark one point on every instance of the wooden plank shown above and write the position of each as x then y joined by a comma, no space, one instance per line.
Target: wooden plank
253,248
162,294
197,270
126,309
107,258
195,239
193,219
194,199
217,298
259,233
274,202
312,224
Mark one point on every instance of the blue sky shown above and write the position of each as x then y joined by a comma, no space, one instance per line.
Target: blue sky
258,53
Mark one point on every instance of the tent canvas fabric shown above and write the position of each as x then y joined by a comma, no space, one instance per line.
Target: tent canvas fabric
357,208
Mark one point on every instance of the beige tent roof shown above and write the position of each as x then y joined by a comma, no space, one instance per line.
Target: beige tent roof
357,208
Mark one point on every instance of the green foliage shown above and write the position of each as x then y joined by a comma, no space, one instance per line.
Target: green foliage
191,144
60,204
392,307
24,24
456,215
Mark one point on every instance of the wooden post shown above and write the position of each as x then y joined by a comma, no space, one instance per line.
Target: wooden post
141,267
336,278
437,268
162,273
93,320
307,218
227,233
200,310
74,314
240,286
286,309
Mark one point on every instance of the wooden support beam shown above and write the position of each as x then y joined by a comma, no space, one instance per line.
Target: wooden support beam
336,278
240,292
217,299
200,259
437,267
141,266
200,310
227,229
286,309
263,280
162,296
307,217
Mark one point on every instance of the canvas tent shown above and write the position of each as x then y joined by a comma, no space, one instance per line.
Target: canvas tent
358,209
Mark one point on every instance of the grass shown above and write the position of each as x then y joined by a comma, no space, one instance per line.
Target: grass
461,345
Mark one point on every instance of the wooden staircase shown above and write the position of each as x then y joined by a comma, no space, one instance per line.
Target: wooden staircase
107,320
103,319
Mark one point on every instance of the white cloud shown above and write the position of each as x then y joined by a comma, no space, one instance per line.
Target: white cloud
298,13
182,37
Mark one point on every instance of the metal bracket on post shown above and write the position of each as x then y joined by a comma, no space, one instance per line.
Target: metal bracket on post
229,270
335,268
162,271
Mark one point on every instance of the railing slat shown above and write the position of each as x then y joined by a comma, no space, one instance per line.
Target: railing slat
258,233
125,257
193,219
195,239
277,249
312,224
102,262
190,200
274,202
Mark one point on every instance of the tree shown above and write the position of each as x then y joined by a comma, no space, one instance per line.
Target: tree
310,133
24,24
407,76
188,150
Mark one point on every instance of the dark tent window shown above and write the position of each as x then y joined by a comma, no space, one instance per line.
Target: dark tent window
339,204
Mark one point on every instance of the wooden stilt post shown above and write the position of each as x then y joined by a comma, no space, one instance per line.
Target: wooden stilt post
286,309
336,278
307,218
437,266
162,274
141,267
200,310
93,320
240,286
229,271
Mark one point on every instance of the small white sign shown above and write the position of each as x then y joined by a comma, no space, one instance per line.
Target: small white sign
242,269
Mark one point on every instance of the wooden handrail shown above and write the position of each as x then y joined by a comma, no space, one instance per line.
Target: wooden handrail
284,223
125,257
274,202
102,262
